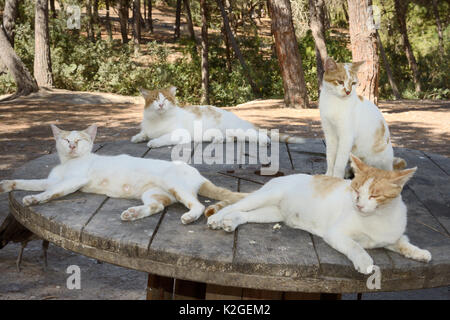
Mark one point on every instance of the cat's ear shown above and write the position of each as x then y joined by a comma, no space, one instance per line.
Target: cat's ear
356,65
402,176
357,164
92,131
330,64
145,93
173,91
56,131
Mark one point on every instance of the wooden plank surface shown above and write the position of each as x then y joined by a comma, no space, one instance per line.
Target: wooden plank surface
193,245
262,250
441,161
255,255
430,184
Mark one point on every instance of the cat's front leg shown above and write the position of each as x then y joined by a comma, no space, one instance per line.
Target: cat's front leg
140,137
56,191
27,185
162,141
405,248
343,154
362,261
331,148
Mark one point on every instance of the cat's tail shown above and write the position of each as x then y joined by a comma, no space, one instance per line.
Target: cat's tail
283,137
399,163
226,197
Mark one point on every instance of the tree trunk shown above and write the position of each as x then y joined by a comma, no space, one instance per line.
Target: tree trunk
400,11
204,45
123,19
136,25
187,8
149,16
317,24
439,28
96,21
227,48
52,8
90,24
9,22
236,49
295,94
108,22
42,60
388,69
177,20
24,80
364,47
9,19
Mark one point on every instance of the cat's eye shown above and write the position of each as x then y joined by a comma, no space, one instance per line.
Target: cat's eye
340,82
353,83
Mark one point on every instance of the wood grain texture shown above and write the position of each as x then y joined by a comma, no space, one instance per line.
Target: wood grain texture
255,256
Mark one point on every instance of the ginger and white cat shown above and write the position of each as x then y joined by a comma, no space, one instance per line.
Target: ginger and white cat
157,183
350,215
162,116
352,123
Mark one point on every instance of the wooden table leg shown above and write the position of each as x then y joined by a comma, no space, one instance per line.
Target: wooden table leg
159,288
216,292
189,290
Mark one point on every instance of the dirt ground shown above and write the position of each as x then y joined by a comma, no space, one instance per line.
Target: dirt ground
25,134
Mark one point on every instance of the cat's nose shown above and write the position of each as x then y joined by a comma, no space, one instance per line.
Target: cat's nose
348,91
359,207
161,106
72,146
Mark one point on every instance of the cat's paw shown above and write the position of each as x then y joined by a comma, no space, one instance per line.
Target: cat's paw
137,138
422,255
30,200
229,224
188,217
130,214
7,185
154,144
363,264
215,222
211,210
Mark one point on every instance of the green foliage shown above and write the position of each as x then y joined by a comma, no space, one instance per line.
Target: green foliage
79,64
423,36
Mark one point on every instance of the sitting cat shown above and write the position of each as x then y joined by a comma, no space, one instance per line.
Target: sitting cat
158,183
350,215
162,117
351,123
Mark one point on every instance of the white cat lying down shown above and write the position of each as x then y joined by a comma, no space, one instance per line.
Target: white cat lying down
350,215
163,118
158,183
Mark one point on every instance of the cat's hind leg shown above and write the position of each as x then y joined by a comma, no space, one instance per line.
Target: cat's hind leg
263,197
261,215
27,185
154,199
190,201
405,248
